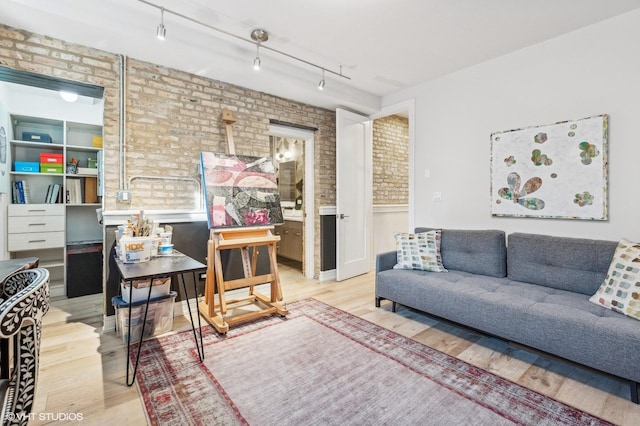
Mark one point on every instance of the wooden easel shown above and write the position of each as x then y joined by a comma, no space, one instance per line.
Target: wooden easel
215,312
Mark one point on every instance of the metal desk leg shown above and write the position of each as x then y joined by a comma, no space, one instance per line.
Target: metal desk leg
4,358
199,346
144,322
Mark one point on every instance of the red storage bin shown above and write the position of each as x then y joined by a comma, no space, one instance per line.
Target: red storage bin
49,158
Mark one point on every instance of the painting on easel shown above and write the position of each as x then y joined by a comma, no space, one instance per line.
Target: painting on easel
240,190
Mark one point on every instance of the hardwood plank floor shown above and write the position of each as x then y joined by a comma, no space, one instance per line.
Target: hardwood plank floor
82,368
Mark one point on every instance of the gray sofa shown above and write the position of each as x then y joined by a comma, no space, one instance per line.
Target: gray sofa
533,291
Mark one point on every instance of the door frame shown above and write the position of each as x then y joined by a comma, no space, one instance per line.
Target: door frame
309,219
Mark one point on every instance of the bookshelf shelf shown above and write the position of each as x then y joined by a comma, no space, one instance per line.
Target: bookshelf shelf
83,148
38,145
84,205
35,175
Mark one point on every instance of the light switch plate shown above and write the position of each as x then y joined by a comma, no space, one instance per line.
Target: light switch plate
124,196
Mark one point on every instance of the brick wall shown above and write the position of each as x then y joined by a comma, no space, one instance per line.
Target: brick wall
40,54
171,117
391,160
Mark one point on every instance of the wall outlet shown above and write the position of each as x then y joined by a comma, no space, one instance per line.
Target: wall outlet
437,196
124,196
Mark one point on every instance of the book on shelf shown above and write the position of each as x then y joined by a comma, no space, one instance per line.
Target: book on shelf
74,191
27,193
48,196
53,192
21,194
14,192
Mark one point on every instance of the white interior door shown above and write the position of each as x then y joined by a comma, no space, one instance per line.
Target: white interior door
354,204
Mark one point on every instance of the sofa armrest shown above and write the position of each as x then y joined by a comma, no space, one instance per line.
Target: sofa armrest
385,261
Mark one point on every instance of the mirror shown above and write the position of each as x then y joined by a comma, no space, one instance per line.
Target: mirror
287,181
288,157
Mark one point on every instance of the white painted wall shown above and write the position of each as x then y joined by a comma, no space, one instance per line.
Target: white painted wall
388,219
588,72
47,104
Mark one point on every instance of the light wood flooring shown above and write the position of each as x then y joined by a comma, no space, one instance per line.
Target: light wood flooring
82,368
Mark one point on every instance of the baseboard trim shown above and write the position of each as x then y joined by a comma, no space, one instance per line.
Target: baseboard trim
329,275
108,323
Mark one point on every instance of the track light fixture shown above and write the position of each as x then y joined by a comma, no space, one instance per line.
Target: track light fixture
161,32
257,36
257,62
321,83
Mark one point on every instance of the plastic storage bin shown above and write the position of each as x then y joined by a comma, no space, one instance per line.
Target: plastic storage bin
159,317
135,249
50,168
36,137
161,287
27,167
50,158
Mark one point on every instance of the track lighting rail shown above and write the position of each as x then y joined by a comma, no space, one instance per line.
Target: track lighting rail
247,40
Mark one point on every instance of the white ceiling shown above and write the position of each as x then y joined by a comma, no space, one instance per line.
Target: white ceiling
383,46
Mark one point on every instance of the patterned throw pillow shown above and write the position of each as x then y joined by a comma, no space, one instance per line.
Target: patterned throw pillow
620,290
419,251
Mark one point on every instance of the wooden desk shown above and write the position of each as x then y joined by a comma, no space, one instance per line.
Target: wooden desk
175,265
8,267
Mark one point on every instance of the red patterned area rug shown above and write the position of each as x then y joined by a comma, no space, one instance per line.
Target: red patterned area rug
323,366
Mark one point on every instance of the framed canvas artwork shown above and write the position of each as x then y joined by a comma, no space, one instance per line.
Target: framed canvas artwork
240,190
553,171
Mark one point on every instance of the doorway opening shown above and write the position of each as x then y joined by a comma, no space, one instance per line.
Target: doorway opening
292,151
386,215
37,121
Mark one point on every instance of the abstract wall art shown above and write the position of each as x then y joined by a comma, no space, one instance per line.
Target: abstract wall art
552,171
240,190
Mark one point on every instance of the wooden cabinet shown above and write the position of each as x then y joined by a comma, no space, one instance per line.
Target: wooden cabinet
291,241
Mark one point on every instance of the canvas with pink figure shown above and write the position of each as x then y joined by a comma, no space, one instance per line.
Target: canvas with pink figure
240,190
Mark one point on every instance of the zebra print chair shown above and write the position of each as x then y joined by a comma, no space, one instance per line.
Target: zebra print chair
24,299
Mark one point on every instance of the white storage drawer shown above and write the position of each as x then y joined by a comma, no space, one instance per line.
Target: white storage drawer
36,209
23,224
35,241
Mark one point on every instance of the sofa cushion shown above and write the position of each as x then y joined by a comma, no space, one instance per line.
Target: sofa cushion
419,251
572,264
559,322
620,290
476,251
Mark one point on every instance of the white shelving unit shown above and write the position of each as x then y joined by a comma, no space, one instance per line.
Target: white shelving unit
43,229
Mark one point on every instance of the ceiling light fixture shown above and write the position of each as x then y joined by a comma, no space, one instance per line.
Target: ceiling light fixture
68,96
161,32
252,41
259,36
321,83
